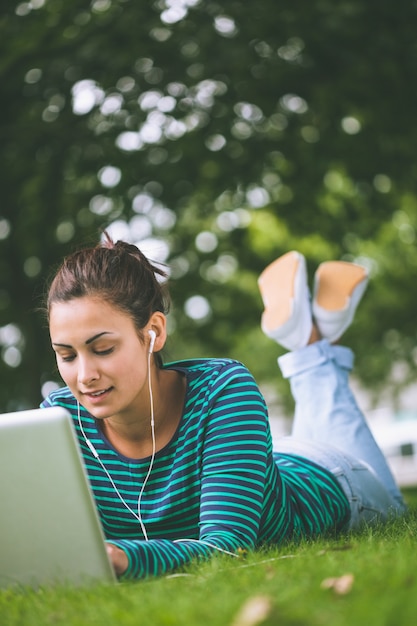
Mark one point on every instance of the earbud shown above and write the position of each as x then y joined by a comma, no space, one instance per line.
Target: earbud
152,335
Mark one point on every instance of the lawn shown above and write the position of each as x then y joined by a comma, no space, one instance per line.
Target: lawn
368,579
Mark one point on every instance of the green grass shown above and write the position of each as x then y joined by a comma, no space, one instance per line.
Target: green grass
382,561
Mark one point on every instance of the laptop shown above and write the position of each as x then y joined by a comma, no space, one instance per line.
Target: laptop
50,531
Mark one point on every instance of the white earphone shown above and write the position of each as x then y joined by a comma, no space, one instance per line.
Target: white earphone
152,335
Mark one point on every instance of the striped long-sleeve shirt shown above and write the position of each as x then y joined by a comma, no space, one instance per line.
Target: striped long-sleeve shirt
216,485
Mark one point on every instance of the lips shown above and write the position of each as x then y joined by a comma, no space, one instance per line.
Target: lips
95,395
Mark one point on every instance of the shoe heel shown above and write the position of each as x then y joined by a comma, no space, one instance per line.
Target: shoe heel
338,289
276,285
335,283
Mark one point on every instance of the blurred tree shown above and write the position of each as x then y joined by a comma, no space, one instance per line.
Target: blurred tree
216,136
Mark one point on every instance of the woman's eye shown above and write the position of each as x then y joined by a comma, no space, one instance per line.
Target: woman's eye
104,352
68,358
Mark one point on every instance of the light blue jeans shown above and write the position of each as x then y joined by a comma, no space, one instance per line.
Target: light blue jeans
330,429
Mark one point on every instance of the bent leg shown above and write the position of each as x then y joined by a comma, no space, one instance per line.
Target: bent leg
368,498
326,411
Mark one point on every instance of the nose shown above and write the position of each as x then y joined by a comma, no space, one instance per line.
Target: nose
87,372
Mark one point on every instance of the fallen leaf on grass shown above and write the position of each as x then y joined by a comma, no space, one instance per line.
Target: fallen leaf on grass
254,611
341,585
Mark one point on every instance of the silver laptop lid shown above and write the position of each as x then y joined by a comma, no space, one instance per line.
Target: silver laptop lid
49,527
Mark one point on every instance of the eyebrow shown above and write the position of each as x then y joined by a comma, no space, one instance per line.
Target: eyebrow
66,345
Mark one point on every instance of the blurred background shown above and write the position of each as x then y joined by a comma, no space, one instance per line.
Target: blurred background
216,136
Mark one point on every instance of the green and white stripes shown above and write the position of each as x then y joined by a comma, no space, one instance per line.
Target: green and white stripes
216,485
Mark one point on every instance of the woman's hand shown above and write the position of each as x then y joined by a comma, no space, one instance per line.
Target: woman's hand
118,559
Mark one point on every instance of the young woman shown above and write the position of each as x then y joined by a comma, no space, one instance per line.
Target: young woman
179,455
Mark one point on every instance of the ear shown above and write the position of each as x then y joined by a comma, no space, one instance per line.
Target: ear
158,323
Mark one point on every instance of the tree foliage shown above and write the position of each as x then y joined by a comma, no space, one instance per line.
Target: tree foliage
224,134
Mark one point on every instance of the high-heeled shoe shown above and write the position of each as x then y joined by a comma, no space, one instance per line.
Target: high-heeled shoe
338,289
287,316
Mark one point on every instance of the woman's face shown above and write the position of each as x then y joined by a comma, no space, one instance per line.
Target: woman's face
100,357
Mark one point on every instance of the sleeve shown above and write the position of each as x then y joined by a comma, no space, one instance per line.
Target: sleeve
237,447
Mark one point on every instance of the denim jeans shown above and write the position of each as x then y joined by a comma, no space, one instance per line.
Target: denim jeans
330,429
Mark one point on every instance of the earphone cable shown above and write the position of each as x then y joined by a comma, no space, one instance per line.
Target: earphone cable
153,444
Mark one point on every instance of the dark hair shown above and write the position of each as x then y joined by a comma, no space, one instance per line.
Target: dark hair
117,272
